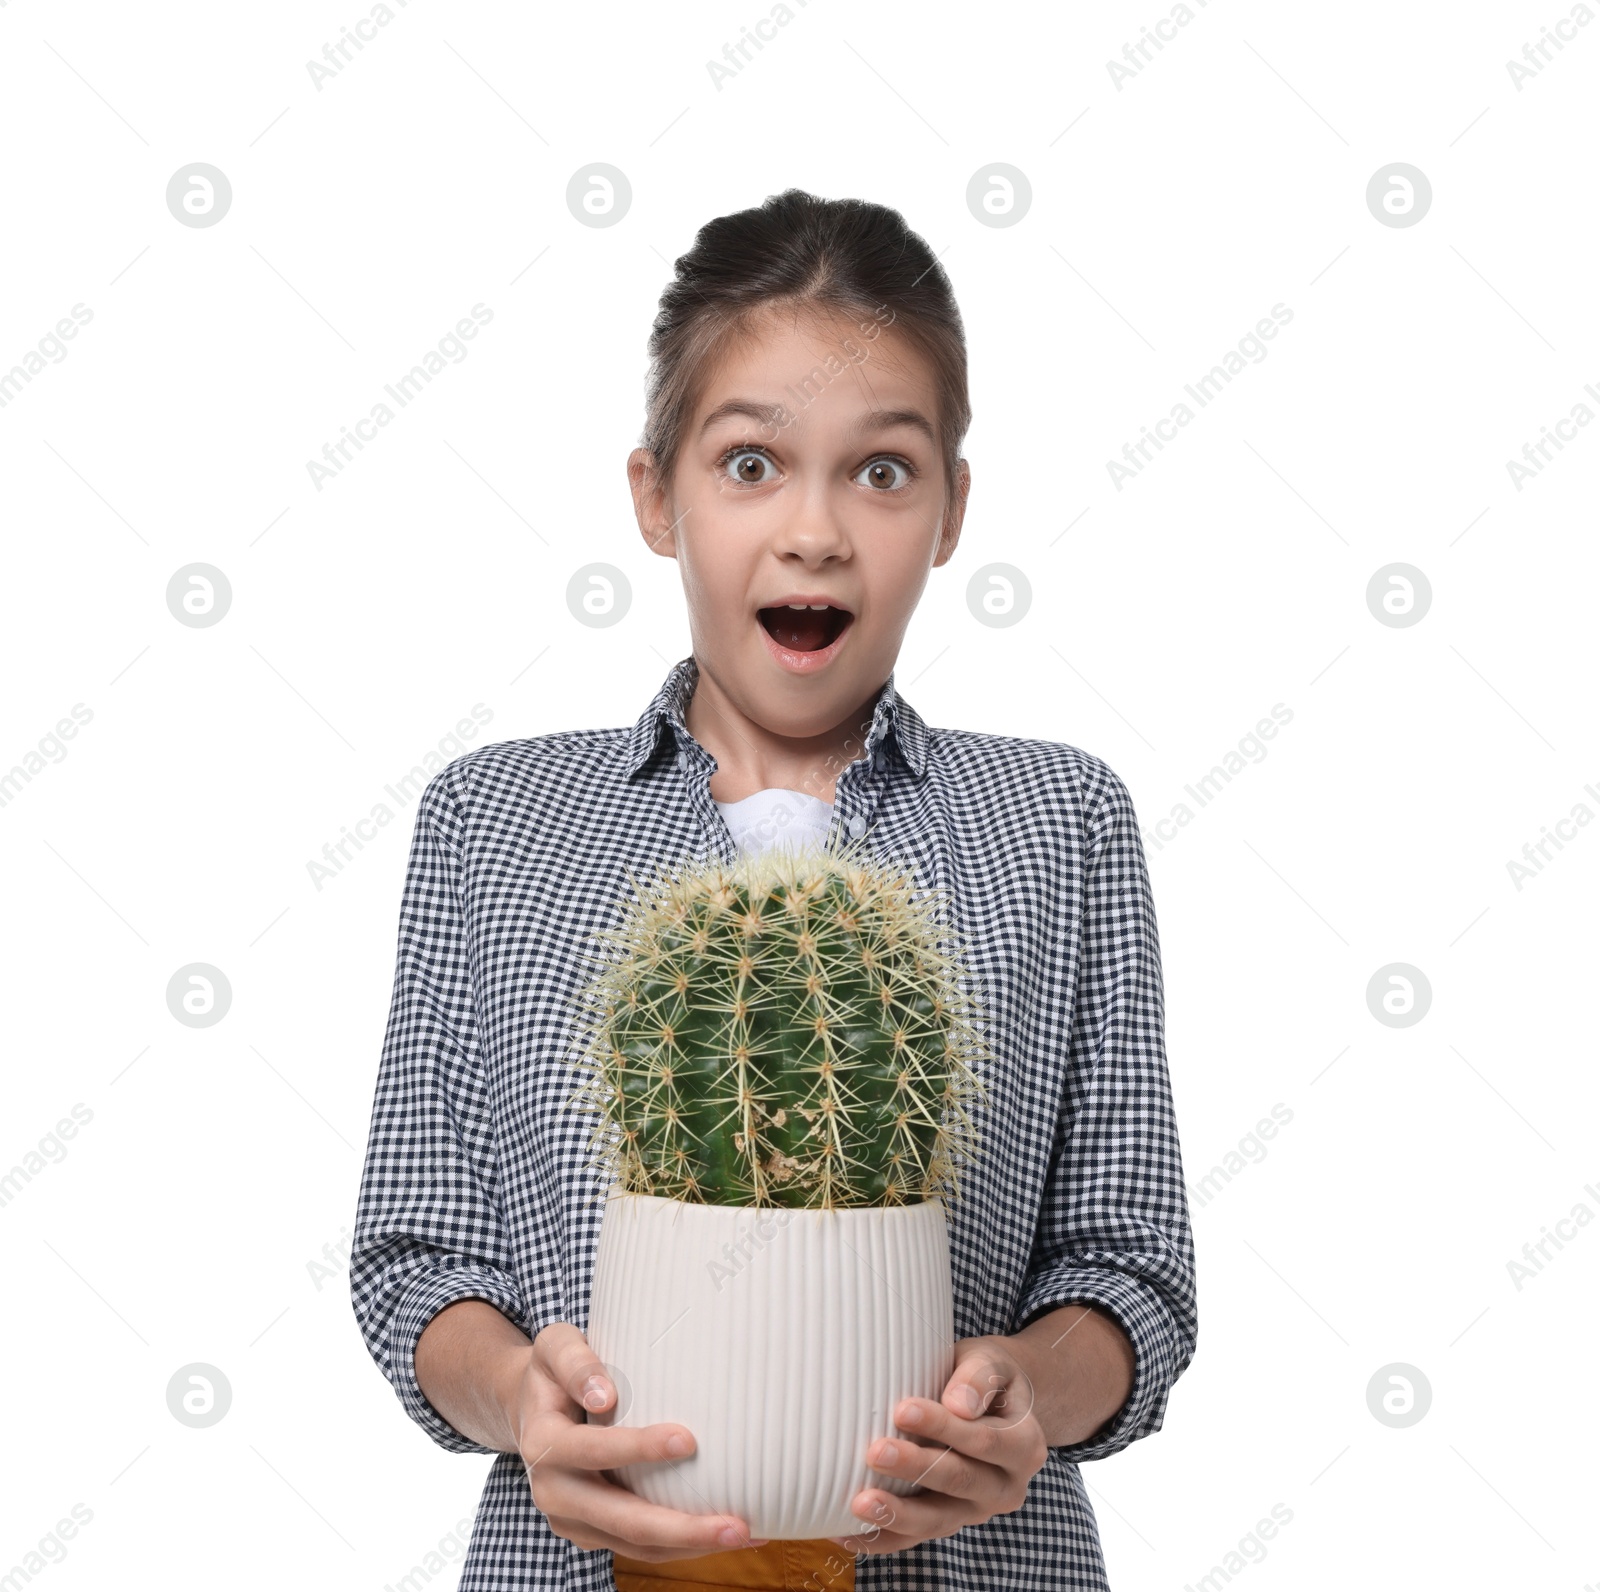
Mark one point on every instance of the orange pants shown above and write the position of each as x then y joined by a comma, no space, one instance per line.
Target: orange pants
778,1566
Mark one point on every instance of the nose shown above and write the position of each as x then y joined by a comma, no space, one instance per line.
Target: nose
811,526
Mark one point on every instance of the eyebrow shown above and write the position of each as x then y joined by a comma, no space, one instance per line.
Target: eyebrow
771,415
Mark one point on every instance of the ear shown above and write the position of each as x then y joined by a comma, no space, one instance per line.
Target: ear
955,513
650,504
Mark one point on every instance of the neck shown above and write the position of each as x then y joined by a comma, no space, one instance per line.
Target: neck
750,757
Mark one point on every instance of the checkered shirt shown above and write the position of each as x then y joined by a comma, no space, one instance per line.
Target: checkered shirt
477,1182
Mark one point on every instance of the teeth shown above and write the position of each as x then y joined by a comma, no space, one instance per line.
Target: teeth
810,605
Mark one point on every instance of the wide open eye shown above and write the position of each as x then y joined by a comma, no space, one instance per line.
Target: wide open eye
745,465
880,473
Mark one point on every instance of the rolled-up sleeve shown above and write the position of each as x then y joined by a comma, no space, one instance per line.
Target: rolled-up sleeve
1113,1228
430,1227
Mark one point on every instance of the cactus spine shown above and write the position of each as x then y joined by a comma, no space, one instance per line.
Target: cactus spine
786,1030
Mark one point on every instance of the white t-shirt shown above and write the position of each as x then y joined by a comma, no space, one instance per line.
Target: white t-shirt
775,817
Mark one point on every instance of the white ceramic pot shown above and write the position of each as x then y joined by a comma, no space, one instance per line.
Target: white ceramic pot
783,1339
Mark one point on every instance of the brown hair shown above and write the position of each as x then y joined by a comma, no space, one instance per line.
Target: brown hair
794,249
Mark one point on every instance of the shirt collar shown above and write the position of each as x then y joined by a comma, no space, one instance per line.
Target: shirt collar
892,718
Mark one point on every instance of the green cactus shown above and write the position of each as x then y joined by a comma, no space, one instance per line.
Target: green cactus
786,1030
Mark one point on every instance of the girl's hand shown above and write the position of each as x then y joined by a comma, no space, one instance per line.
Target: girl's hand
566,1460
975,1451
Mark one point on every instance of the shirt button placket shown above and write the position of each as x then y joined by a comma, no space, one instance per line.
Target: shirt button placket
695,764
854,797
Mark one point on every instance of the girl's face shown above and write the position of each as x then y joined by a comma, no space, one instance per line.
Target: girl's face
810,472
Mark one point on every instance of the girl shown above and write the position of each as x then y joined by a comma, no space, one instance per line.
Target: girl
801,462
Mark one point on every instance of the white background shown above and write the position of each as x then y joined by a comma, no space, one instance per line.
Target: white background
1167,217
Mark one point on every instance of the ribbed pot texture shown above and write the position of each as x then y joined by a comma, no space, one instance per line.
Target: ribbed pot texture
782,1338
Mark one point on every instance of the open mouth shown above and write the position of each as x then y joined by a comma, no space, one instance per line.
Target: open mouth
805,629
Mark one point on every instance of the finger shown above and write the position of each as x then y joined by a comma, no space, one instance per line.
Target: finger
586,1537
978,1381
599,1508
890,1525
1010,1400
982,1438
880,1542
578,1445
909,1519
938,1468
566,1358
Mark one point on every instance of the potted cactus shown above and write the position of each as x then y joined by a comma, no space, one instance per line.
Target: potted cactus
783,1064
